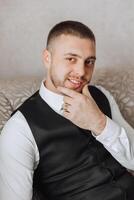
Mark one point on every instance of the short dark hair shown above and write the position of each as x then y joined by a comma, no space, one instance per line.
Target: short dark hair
74,28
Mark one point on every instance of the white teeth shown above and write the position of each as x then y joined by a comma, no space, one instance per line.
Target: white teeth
74,81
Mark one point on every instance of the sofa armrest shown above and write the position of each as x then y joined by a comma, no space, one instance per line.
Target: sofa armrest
120,83
5,110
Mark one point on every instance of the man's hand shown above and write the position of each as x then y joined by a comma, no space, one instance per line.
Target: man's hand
82,110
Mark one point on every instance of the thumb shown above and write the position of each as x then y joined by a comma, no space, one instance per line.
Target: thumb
85,91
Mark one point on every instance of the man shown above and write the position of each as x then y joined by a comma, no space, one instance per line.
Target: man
69,140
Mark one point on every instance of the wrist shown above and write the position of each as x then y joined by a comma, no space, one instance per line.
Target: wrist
100,125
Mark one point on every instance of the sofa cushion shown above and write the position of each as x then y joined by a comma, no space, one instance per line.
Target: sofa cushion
13,93
5,109
120,83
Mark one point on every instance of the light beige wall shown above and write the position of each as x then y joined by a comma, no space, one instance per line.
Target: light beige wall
24,25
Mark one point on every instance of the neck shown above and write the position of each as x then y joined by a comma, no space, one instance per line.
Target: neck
49,85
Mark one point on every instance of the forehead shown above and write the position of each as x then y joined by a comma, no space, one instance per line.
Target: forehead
73,44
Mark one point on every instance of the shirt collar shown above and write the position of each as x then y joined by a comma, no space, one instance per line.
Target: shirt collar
54,100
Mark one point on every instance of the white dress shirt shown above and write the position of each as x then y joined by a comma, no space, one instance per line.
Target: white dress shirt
19,154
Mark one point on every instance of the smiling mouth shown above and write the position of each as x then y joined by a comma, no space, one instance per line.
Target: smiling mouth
75,83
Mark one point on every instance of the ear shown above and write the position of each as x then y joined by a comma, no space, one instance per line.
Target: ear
46,58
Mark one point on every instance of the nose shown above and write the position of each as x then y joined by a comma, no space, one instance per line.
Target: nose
80,69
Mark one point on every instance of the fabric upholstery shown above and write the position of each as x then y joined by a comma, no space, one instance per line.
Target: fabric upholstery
119,81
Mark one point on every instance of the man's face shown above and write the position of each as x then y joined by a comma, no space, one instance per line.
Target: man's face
70,62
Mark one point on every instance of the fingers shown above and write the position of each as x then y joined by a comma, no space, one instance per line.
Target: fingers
68,100
68,92
66,110
66,114
66,107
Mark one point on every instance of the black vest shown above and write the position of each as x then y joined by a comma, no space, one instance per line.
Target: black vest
73,165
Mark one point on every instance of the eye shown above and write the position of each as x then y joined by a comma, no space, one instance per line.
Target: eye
90,62
71,59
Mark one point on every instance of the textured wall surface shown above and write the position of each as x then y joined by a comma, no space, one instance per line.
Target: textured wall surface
24,26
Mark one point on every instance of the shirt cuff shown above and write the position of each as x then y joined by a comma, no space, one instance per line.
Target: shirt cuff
110,133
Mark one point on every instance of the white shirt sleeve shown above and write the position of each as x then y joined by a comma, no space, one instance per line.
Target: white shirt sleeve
118,136
18,158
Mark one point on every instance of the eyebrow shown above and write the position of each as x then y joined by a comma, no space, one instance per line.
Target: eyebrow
76,55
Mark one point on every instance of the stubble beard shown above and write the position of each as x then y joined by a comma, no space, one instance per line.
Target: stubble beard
61,83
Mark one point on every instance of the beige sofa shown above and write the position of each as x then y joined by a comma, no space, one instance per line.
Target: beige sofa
119,81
